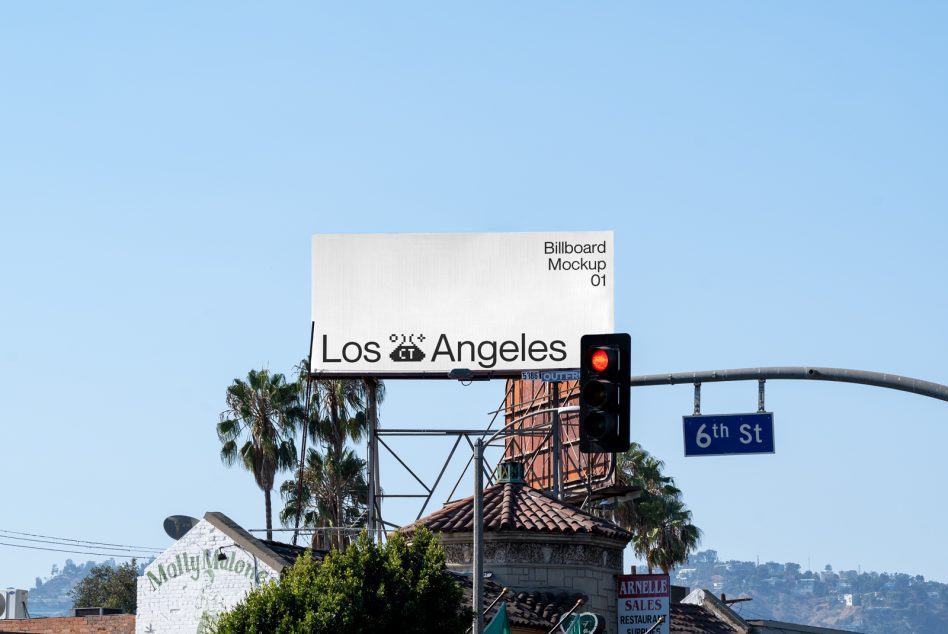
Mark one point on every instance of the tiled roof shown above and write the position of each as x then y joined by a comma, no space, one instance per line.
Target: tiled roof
288,552
695,619
517,507
543,610
277,555
540,610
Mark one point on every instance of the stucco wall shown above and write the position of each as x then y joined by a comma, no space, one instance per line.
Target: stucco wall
187,586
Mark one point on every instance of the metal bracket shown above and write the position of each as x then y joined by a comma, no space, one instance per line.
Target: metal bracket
697,399
760,396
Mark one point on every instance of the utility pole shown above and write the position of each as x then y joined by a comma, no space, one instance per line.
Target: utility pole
478,581
372,449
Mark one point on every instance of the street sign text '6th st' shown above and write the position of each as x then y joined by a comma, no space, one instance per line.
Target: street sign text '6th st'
725,434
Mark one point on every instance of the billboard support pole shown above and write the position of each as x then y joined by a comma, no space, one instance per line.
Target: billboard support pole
372,448
308,405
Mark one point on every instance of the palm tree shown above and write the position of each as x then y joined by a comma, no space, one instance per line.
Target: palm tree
336,408
662,532
331,489
257,429
672,536
341,404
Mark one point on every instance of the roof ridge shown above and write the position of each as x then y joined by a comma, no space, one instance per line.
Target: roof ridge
510,506
508,509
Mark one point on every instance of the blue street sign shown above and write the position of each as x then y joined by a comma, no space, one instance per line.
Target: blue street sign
721,435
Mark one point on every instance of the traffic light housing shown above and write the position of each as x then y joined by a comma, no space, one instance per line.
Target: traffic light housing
604,393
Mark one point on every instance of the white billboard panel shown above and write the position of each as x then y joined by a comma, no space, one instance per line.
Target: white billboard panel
426,304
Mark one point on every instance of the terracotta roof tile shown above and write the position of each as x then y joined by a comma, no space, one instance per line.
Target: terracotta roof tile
517,507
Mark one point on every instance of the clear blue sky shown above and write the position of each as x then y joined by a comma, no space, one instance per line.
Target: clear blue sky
774,174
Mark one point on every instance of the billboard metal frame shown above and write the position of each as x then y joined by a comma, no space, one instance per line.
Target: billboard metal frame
375,521
580,492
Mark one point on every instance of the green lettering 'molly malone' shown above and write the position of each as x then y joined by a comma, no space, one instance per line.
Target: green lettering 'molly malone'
206,562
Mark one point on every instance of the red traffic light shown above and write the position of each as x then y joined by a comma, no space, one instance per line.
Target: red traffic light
600,360
604,393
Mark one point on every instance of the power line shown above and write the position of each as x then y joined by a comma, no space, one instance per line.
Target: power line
83,542
78,552
59,543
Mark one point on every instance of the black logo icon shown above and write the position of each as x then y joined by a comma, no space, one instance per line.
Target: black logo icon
407,350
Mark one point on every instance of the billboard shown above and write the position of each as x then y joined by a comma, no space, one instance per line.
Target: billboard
417,305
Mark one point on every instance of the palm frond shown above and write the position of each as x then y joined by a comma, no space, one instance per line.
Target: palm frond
258,426
229,453
661,524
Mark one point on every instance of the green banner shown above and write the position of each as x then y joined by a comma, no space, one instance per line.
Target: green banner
499,624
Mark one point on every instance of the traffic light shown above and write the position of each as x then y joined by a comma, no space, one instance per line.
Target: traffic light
604,393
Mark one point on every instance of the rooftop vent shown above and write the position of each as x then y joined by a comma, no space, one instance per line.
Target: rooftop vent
510,471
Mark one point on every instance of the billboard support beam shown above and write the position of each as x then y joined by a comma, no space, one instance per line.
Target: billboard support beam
372,449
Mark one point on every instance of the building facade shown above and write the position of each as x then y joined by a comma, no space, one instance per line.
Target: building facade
208,570
536,543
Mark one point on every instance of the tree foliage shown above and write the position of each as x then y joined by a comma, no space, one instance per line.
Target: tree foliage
333,487
107,586
399,587
662,532
333,492
258,427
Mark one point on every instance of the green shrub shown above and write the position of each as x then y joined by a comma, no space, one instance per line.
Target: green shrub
399,587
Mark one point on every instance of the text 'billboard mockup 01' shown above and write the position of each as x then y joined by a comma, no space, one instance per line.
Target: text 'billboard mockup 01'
426,304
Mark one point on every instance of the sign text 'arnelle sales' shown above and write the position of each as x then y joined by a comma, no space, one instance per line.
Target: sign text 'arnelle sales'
643,603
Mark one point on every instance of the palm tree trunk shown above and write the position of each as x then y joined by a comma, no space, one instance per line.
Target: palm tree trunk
266,496
340,519
337,442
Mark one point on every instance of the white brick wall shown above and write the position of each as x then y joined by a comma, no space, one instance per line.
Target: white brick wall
187,585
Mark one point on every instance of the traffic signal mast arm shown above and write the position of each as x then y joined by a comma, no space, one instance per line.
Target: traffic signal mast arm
877,379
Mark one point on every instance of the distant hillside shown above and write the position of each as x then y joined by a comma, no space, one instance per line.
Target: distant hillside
50,596
868,602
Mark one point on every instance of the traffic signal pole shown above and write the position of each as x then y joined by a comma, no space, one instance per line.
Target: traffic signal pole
807,373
